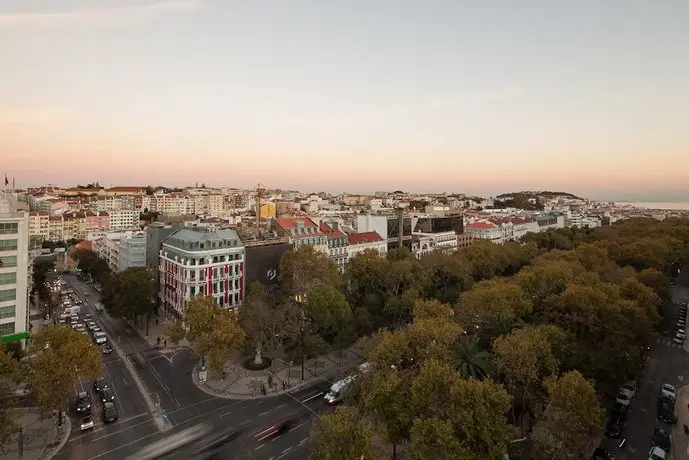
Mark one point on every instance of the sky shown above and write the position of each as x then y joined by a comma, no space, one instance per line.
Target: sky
586,96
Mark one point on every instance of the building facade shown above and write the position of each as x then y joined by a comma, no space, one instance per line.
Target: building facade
360,242
132,250
302,231
14,270
337,245
200,261
124,219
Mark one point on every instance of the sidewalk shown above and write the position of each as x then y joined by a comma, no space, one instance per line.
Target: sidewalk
241,383
41,439
158,329
680,441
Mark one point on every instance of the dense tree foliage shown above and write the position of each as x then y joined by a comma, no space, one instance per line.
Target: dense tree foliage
92,265
58,358
213,331
9,373
468,349
130,294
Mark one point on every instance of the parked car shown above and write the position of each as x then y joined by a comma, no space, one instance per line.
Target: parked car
601,454
615,426
624,399
100,384
107,395
83,402
105,348
661,439
666,411
87,422
110,414
629,388
668,391
656,453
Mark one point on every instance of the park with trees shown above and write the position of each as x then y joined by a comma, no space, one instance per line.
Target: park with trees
469,351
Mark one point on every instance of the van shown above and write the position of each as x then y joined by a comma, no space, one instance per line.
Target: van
100,337
73,310
340,389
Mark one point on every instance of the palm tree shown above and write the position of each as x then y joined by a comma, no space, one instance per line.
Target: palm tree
502,325
472,362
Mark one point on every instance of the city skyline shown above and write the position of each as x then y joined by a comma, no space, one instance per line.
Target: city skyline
475,98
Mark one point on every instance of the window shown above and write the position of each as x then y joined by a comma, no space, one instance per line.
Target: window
8,228
6,329
8,245
8,312
8,294
8,261
8,278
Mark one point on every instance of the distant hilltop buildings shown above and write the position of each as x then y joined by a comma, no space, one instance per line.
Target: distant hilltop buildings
217,241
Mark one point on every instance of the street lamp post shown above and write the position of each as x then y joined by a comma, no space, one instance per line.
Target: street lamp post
301,330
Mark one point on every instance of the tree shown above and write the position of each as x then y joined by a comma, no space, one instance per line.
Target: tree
490,299
130,294
571,420
59,357
265,322
40,268
656,280
213,331
8,374
302,269
447,275
525,359
435,438
386,397
91,264
174,332
330,311
341,436
432,309
472,361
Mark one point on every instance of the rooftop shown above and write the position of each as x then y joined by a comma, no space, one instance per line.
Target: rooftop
365,237
203,239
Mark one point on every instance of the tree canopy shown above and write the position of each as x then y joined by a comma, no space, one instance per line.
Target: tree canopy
213,331
58,357
91,264
130,294
468,348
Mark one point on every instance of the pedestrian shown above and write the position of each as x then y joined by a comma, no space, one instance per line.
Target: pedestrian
263,388
224,374
270,380
284,385
158,341
165,343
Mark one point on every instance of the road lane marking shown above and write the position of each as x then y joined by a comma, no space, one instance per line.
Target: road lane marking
310,398
259,447
303,441
264,413
101,427
281,405
298,426
284,452
165,388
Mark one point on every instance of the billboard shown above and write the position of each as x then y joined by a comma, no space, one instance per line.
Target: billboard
262,262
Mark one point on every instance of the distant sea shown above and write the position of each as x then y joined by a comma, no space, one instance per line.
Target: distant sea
655,205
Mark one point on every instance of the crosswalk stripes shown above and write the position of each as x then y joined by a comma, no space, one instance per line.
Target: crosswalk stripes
668,343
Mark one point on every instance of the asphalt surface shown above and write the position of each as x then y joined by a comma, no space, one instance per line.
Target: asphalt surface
667,363
167,379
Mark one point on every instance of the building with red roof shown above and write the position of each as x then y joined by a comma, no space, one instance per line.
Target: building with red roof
360,242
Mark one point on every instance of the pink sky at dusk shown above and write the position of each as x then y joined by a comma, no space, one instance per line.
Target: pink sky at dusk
314,98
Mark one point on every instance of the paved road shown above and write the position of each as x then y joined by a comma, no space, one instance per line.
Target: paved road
167,378
667,363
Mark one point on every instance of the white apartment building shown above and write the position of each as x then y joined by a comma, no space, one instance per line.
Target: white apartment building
14,269
108,249
169,203
39,225
202,261
485,231
425,243
132,250
360,242
124,219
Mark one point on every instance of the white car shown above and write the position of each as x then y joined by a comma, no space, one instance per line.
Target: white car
678,340
100,337
668,390
623,399
680,334
629,388
656,453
